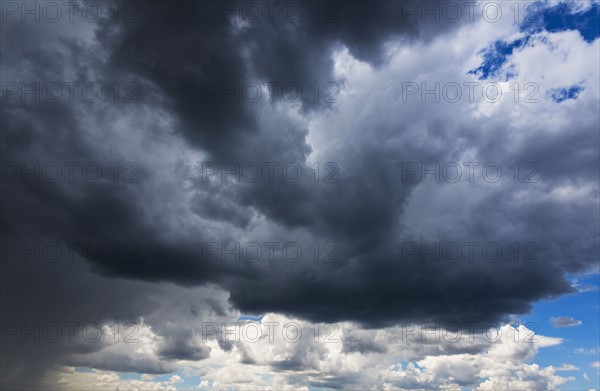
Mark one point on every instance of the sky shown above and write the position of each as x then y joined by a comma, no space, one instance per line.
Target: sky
310,195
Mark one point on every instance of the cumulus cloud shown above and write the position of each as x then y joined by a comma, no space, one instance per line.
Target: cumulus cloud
293,353
180,230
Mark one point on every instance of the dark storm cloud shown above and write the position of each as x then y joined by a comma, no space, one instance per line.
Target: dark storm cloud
186,48
376,291
70,296
175,56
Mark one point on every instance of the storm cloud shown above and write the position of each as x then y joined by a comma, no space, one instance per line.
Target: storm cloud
373,235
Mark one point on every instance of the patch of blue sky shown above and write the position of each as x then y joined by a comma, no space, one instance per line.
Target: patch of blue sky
495,57
581,344
188,382
130,376
562,17
540,17
565,93
253,318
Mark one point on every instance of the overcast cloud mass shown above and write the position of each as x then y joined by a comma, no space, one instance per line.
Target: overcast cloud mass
300,195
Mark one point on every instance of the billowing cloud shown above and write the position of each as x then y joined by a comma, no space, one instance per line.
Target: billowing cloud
181,201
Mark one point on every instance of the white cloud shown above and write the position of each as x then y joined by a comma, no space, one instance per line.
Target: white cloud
567,367
433,358
176,379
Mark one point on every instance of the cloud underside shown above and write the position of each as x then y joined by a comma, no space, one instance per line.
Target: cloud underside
370,213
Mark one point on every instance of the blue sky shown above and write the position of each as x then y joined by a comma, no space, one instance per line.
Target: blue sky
581,343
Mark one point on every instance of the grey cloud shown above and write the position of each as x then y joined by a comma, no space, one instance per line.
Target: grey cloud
369,212
564,321
183,349
362,345
123,363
